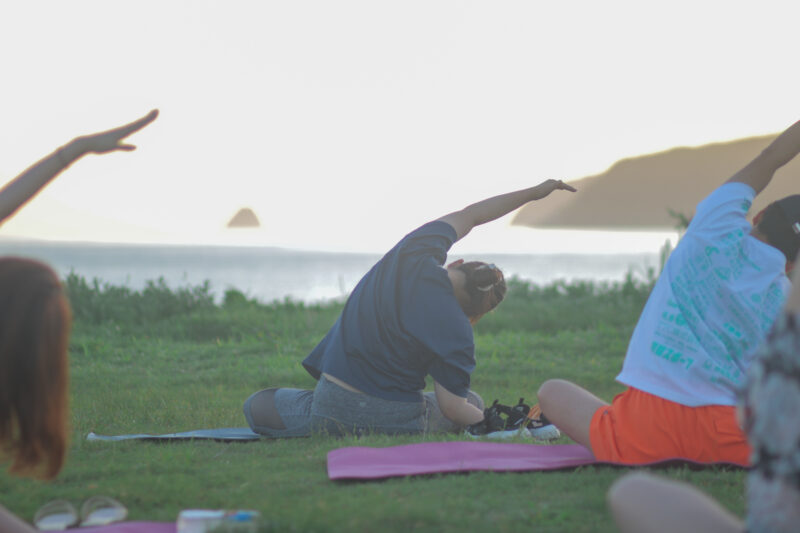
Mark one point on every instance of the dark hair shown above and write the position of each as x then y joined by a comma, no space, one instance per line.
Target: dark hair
35,320
779,225
485,287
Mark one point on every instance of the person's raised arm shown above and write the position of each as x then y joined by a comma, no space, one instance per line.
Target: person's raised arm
26,185
758,172
492,208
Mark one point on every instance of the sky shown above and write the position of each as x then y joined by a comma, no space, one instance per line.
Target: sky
346,124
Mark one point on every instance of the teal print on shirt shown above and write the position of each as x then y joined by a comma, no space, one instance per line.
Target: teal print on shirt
725,375
668,354
723,273
673,318
730,328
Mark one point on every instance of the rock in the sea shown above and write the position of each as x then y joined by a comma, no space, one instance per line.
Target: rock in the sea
245,218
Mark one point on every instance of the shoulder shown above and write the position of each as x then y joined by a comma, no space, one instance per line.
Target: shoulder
734,195
434,239
727,204
435,228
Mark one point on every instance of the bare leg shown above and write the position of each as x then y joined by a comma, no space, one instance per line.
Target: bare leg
643,503
570,408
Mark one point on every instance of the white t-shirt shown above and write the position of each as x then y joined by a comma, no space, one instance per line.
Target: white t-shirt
718,296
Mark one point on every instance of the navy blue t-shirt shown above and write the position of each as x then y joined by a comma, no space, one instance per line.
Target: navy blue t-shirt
401,323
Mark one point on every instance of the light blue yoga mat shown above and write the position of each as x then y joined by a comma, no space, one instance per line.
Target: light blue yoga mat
219,434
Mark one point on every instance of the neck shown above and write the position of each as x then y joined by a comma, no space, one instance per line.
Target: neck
457,280
763,238
758,235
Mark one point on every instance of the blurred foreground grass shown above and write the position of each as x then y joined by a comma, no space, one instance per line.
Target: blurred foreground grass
162,360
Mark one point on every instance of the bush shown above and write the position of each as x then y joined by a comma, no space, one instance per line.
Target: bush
565,305
98,303
191,313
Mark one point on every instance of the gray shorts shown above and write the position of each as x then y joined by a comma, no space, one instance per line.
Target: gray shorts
333,410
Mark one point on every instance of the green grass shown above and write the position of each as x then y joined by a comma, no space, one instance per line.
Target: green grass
163,361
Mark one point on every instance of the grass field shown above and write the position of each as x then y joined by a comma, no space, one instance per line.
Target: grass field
163,361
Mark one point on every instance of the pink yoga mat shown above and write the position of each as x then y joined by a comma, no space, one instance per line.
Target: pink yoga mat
132,527
437,457
441,457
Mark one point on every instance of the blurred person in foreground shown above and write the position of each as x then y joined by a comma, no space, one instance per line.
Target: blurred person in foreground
35,322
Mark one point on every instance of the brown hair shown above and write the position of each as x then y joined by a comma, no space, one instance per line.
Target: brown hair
778,222
485,287
35,321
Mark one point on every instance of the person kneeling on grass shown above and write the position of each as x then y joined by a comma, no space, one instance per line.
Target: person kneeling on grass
407,318
719,294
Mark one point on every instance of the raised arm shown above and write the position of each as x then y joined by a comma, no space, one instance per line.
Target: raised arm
25,186
492,208
758,172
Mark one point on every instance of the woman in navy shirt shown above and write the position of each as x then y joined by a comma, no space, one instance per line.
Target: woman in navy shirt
407,318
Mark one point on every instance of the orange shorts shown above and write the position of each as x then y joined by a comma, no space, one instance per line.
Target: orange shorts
641,428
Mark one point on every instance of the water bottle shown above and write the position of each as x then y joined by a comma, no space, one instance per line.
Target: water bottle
208,520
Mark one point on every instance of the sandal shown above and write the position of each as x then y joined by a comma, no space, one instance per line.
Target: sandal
56,515
539,426
101,511
501,422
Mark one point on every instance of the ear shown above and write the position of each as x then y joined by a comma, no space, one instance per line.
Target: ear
789,267
456,263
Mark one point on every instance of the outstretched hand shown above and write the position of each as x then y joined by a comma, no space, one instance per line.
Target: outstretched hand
493,208
546,187
111,140
26,185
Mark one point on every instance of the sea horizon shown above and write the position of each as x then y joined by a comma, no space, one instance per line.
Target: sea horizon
269,273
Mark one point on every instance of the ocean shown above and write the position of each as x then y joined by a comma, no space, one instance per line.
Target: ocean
269,274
